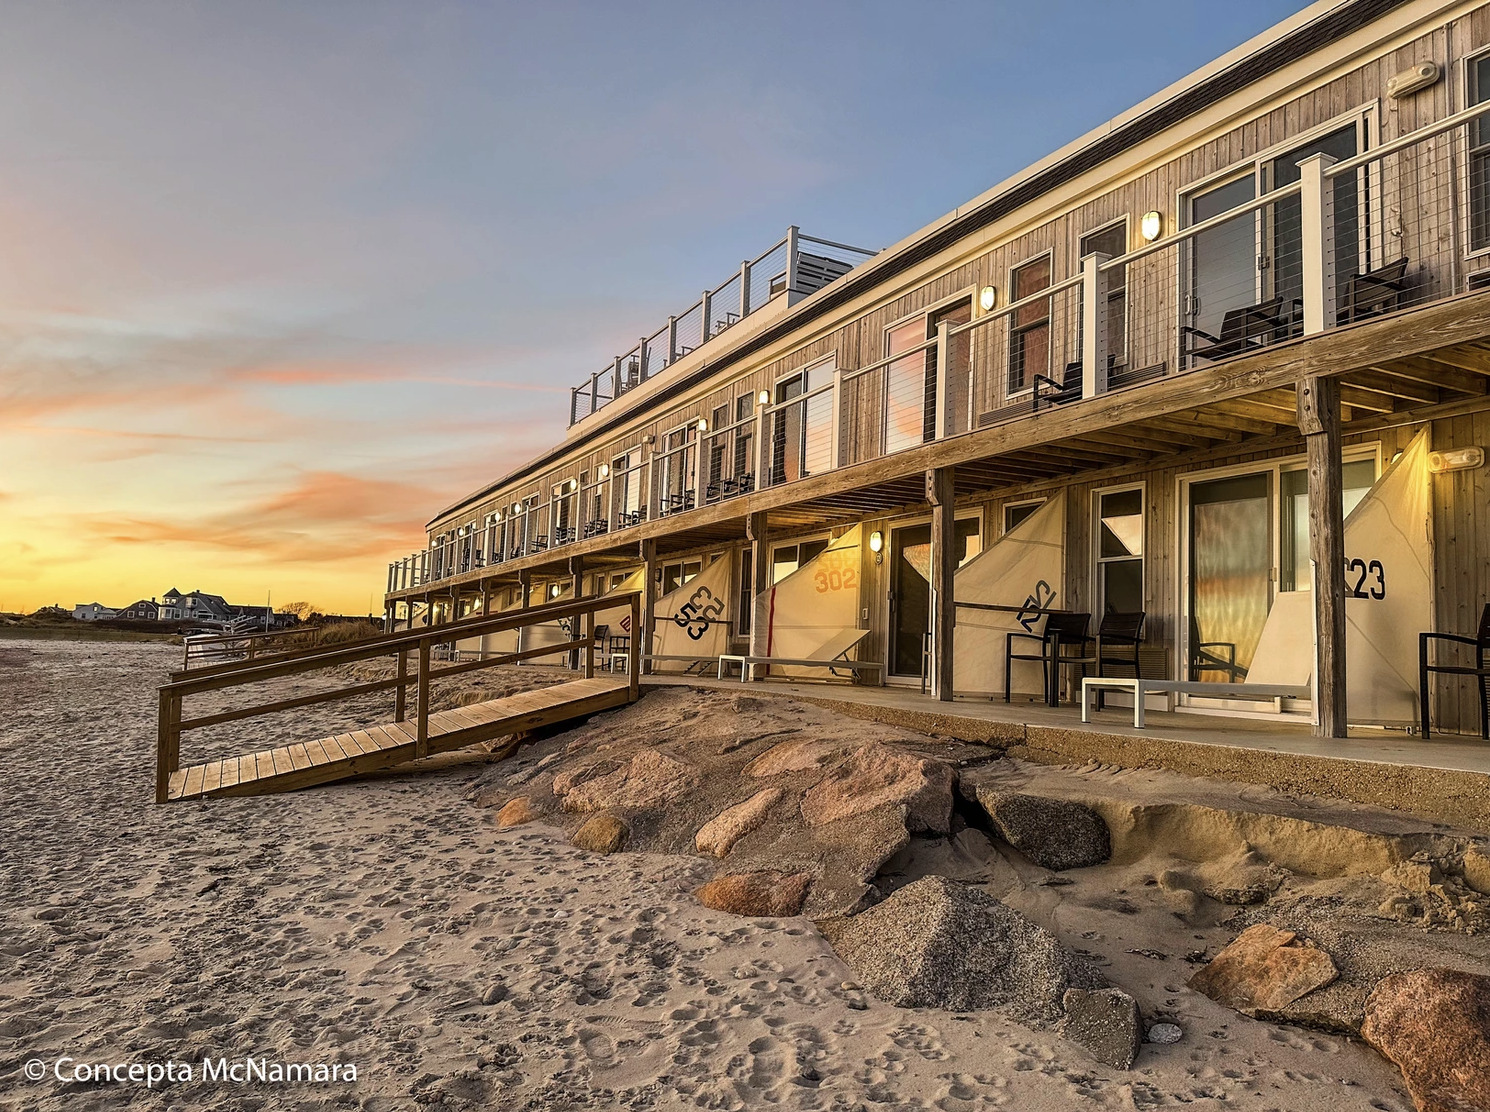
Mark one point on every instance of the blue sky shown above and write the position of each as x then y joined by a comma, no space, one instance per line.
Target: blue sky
279,280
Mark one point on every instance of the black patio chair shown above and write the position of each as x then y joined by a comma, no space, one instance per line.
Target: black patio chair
602,635
1480,670
1060,630
1058,393
1242,330
1371,293
1118,638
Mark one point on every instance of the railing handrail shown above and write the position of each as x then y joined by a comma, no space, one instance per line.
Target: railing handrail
323,656
1412,138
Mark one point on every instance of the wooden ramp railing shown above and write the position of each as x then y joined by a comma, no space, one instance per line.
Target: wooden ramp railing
407,737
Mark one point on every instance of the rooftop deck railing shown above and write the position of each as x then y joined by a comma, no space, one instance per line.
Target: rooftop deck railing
799,264
1349,240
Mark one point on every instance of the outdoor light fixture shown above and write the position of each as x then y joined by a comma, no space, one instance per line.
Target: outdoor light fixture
497,517
988,297
765,397
703,424
553,592
1152,225
877,545
573,485
605,471
1455,459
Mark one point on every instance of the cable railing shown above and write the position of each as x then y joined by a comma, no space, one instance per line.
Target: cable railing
1396,227
796,265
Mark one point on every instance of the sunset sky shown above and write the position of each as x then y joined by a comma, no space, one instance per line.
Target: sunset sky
278,281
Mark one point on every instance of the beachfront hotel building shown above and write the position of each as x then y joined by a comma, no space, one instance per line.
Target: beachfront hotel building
1211,380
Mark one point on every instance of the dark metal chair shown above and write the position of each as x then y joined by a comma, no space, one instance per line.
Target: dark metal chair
1242,330
1060,630
1480,670
1059,393
1371,293
1118,639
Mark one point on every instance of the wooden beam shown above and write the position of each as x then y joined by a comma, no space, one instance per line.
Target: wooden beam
940,488
1392,385
643,636
760,579
1319,421
1434,371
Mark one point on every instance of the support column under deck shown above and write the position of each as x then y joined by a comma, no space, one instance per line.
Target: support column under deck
939,492
760,572
1319,421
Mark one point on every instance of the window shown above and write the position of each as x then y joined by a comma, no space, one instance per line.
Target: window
675,575
905,387
1293,533
627,483
1015,512
802,434
744,437
747,589
1029,331
1119,556
1112,240
787,558
1479,156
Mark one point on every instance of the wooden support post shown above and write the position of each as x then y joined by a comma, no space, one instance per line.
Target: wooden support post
576,592
421,705
400,693
940,493
641,635
943,342
634,652
525,586
167,744
1319,421
760,582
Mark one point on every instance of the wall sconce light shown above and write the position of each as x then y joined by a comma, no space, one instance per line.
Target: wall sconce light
1455,459
765,397
605,471
573,485
553,591
517,507
497,517
1152,225
988,297
877,546
703,424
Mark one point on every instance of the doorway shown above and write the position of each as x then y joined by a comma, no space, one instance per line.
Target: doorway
910,591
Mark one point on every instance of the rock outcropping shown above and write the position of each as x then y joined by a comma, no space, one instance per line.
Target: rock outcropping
1434,1024
940,944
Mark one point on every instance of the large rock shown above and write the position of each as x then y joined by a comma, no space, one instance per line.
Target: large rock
516,812
1106,1023
797,755
649,779
601,834
876,775
1055,834
719,834
1477,868
1434,1024
940,944
759,893
1264,969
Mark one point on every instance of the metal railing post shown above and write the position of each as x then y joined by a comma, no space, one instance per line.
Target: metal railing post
573,404
791,262
943,341
1093,325
1317,231
745,289
641,360
835,439
706,310
672,340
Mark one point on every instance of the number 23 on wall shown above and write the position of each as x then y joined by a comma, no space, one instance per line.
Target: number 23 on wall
1365,580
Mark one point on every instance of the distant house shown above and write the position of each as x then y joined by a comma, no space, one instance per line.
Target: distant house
197,606
145,610
91,612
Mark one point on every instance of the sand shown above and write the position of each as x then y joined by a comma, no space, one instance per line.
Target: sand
387,923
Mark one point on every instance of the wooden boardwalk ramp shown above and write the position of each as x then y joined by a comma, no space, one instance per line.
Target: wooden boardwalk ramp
380,747
413,731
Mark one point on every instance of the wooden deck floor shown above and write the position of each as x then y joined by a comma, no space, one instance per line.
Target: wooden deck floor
335,758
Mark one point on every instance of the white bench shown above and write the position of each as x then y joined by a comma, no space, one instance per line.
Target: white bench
745,661
1142,687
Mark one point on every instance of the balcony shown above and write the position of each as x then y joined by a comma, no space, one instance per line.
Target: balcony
793,267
